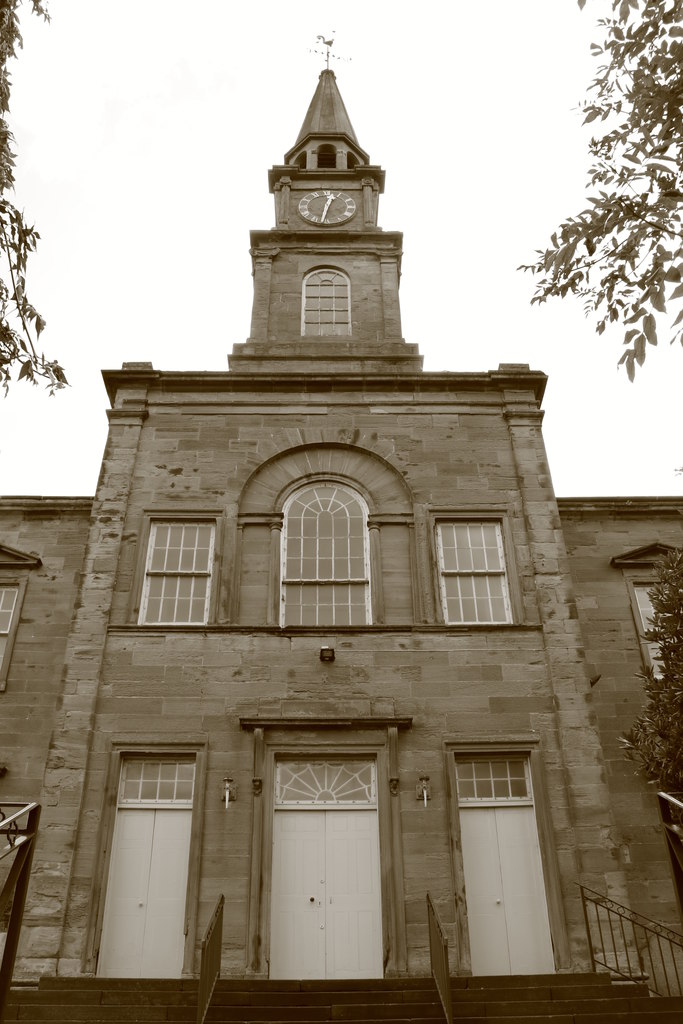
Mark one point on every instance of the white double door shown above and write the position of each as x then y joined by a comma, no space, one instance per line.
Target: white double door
506,904
142,932
326,907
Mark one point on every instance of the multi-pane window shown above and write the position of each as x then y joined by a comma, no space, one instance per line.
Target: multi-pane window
8,603
325,564
178,574
326,304
502,780
644,606
473,584
156,781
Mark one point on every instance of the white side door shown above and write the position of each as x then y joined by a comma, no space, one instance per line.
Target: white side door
144,913
506,903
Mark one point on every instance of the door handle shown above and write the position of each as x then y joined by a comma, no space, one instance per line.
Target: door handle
311,899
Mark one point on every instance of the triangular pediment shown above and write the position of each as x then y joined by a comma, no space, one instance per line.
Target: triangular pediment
646,555
11,558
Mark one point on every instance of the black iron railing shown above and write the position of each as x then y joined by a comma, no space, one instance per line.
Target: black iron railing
631,946
671,813
18,830
438,954
210,967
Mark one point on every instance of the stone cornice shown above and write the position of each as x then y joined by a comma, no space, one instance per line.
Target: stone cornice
307,177
324,722
216,383
666,505
37,505
333,240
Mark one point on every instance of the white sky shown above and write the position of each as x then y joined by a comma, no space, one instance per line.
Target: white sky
145,129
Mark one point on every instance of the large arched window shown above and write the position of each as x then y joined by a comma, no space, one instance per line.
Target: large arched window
325,558
326,304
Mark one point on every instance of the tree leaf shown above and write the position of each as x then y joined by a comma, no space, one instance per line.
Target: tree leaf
632,234
639,350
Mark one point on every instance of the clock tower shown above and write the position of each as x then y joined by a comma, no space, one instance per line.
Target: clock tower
326,277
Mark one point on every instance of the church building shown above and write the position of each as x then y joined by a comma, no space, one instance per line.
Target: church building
324,641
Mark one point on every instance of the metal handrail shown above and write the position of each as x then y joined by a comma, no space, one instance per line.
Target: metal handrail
19,841
671,817
210,966
632,946
438,955
671,799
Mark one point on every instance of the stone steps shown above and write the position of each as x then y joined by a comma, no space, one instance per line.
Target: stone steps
537,999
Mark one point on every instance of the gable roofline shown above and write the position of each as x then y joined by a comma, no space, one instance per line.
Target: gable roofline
645,555
11,558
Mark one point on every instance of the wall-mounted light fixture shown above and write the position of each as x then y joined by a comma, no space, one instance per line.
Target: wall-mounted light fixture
229,791
423,791
327,653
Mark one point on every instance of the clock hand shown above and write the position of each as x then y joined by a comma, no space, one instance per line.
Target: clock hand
327,206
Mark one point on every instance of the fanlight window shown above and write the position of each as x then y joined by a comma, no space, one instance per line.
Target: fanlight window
325,565
326,304
331,783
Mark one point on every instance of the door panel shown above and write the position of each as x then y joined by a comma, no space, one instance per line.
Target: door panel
526,912
332,857
506,905
484,892
297,940
354,946
164,920
123,931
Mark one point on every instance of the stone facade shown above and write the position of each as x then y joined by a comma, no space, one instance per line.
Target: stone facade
410,690
612,544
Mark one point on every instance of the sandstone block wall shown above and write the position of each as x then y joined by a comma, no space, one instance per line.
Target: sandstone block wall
55,530
418,451
596,531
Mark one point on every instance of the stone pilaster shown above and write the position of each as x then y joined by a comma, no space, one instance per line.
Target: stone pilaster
59,893
585,834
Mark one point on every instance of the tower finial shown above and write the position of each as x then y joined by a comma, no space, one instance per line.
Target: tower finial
328,43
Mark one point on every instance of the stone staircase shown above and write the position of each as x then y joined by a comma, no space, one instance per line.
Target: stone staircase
535,999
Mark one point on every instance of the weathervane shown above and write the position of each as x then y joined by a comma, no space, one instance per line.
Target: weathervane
328,44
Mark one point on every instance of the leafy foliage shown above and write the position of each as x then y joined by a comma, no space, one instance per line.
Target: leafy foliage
656,737
20,322
623,254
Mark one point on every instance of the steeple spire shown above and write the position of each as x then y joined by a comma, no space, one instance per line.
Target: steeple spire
327,113
327,123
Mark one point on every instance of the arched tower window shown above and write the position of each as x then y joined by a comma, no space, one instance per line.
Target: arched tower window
326,304
327,156
325,558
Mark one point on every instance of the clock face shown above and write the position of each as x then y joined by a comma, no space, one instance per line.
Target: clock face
327,207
